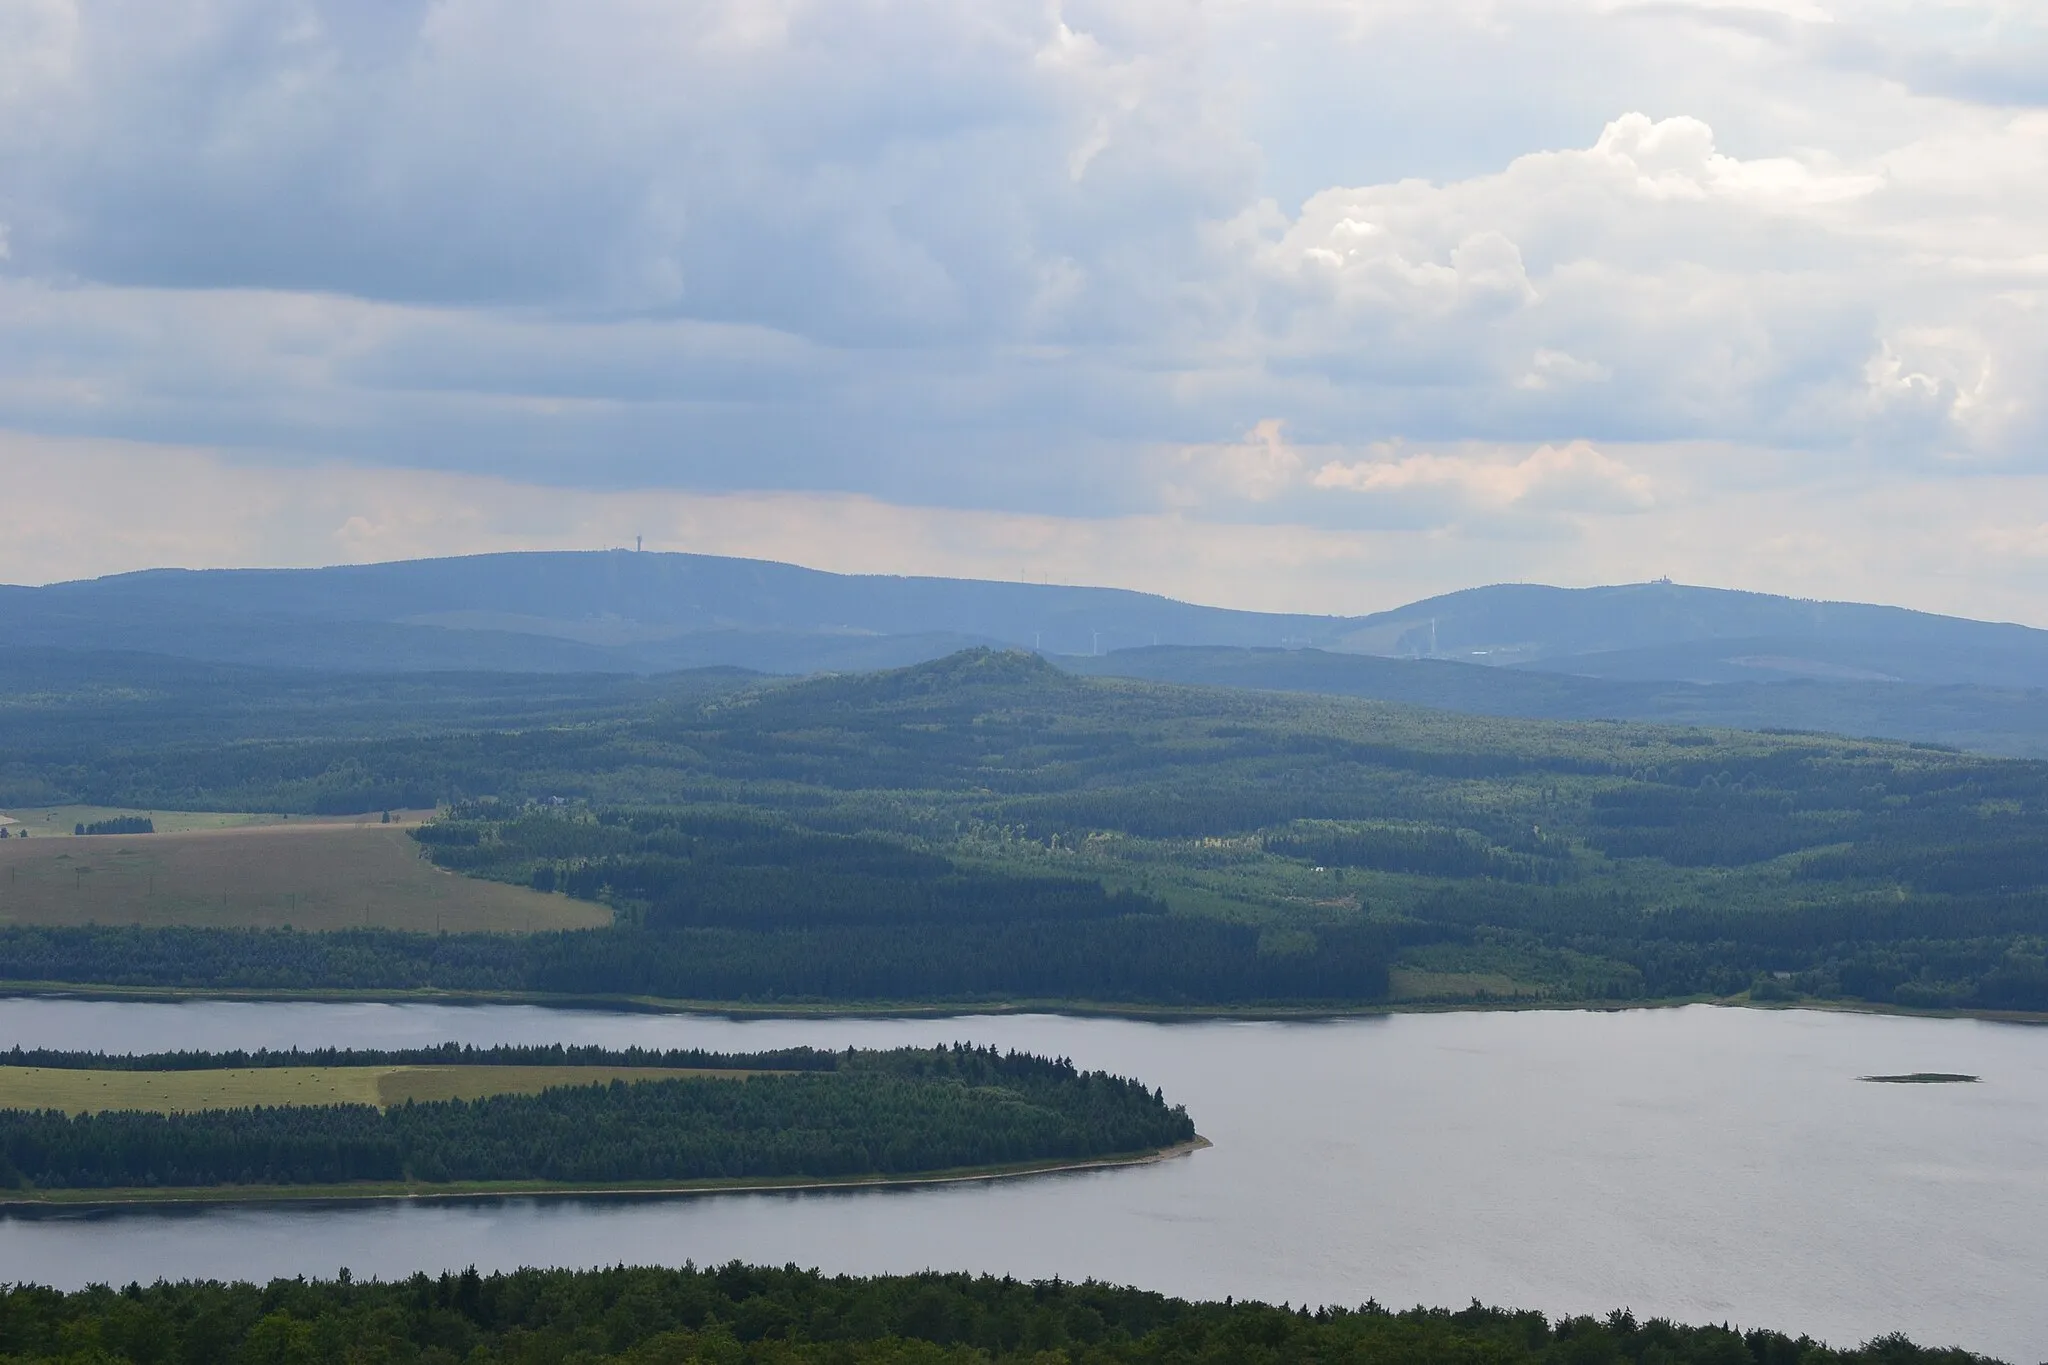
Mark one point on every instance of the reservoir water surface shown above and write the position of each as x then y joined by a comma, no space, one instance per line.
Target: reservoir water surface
1702,1164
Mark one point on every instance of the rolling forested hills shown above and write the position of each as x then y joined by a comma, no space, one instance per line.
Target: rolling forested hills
496,640
607,611
78,700
1667,631
1997,720
616,611
988,827
59,701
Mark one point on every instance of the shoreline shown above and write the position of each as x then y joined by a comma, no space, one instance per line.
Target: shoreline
857,1009
16,1202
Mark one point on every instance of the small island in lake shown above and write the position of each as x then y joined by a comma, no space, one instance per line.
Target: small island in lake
1925,1078
90,1128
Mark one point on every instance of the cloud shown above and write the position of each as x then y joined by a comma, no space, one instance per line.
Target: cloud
80,508
858,171
1470,490
1575,477
1739,518
1557,369
1489,268
1260,467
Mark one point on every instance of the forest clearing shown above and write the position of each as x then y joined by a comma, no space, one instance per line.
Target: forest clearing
306,875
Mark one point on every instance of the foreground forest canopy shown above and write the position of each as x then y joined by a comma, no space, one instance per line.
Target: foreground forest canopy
842,1116
988,828
736,1313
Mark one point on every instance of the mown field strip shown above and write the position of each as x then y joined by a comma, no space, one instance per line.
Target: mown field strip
310,875
83,1091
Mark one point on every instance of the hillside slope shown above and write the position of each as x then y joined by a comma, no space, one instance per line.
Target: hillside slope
988,827
613,610
1994,720
1674,632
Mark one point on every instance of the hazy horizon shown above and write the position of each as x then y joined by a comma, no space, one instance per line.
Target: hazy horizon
1027,582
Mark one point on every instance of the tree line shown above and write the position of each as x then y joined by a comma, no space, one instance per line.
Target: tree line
757,1315
119,824
1167,960
738,869
444,1054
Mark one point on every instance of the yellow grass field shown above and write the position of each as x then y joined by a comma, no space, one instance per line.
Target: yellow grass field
80,1092
306,874
57,822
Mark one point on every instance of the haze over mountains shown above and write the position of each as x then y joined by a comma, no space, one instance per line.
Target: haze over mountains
610,611
1658,651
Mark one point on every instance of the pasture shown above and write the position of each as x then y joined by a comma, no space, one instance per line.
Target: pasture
82,1092
58,822
303,874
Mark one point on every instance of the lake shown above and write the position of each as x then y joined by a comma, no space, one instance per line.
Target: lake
1700,1163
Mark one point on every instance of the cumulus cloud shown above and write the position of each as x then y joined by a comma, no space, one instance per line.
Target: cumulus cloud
1258,468
80,507
861,171
1395,267
1551,489
1570,478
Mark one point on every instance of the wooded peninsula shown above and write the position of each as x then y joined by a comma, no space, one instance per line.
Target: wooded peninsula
589,1119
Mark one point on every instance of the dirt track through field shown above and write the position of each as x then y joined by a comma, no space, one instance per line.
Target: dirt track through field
314,876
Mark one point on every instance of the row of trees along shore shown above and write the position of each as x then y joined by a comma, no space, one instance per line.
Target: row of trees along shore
752,1315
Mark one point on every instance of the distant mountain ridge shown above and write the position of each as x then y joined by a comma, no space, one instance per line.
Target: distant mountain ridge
628,612
1671,632
616,611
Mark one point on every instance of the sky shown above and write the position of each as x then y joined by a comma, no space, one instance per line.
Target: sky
1317,305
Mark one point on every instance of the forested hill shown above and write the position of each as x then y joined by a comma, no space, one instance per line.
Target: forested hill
607,610
2011,721
615,611
988,826
84,701
494,640
78,702
1674,631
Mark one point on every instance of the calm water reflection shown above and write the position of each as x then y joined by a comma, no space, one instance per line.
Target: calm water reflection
1698,1163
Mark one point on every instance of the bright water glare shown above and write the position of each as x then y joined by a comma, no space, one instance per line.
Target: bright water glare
1702,1164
